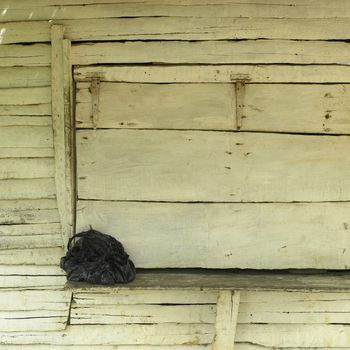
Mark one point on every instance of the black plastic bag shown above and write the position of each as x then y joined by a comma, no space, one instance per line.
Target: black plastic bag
97,258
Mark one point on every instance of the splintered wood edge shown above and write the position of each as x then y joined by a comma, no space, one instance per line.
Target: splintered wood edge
223,280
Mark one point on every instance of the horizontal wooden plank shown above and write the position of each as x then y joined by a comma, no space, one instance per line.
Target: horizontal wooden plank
28,242
31,270
213,233
26,136
158,334
22,152
290,335
303,308
216,280
120,347
26,168
14,77
215,74
141,314
179,28
32,282
25,96
28,211
178,106
27,188
34,256
25,55
25,120
319,108
30,229
126,297
44,10
224,52
41,109
233,167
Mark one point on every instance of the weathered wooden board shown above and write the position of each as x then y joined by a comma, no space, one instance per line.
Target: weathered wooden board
17,10
25,96
124,347
297,108
290,335
215,74
26,168
157,334
118,296
28,242
224,52
10,152
26,136
29,229
179,28
31,270
192,166
33,256
27,188
28,211
185,28
298,233
14,77
32,282
42,109
303,308
25,120
141,314
169,106
25,55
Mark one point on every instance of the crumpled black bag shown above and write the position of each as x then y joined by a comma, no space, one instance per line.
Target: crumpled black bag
97,258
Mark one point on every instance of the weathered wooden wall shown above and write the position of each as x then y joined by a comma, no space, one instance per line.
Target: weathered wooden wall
228,203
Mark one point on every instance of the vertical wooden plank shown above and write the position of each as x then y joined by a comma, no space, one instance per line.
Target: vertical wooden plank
240,91
226,320
61,115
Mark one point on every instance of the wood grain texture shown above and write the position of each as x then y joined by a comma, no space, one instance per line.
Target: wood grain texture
25,96
215,74
210,52
12,120
316,108
13,77
234,167
298,233
30,152
41,109
169,106
18,10
157,334
25,55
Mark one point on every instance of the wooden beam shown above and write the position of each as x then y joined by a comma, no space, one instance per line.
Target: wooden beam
61,116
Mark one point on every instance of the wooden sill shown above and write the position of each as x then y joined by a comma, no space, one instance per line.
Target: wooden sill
197,279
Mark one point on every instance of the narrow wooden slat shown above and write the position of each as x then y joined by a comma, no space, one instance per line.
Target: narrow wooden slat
195,28
158,334
34,256
27,188
28,211
21,152
142,314
290,335
29,229
122,297
298,233
28,242
248,167
210,52
25,55
60,106
22,32
25,120
14,77
25,96
23,168
32,282
41,109
215,74
26,136
178,106
45,10
120,347
226,320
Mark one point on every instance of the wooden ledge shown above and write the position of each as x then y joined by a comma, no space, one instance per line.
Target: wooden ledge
229,280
